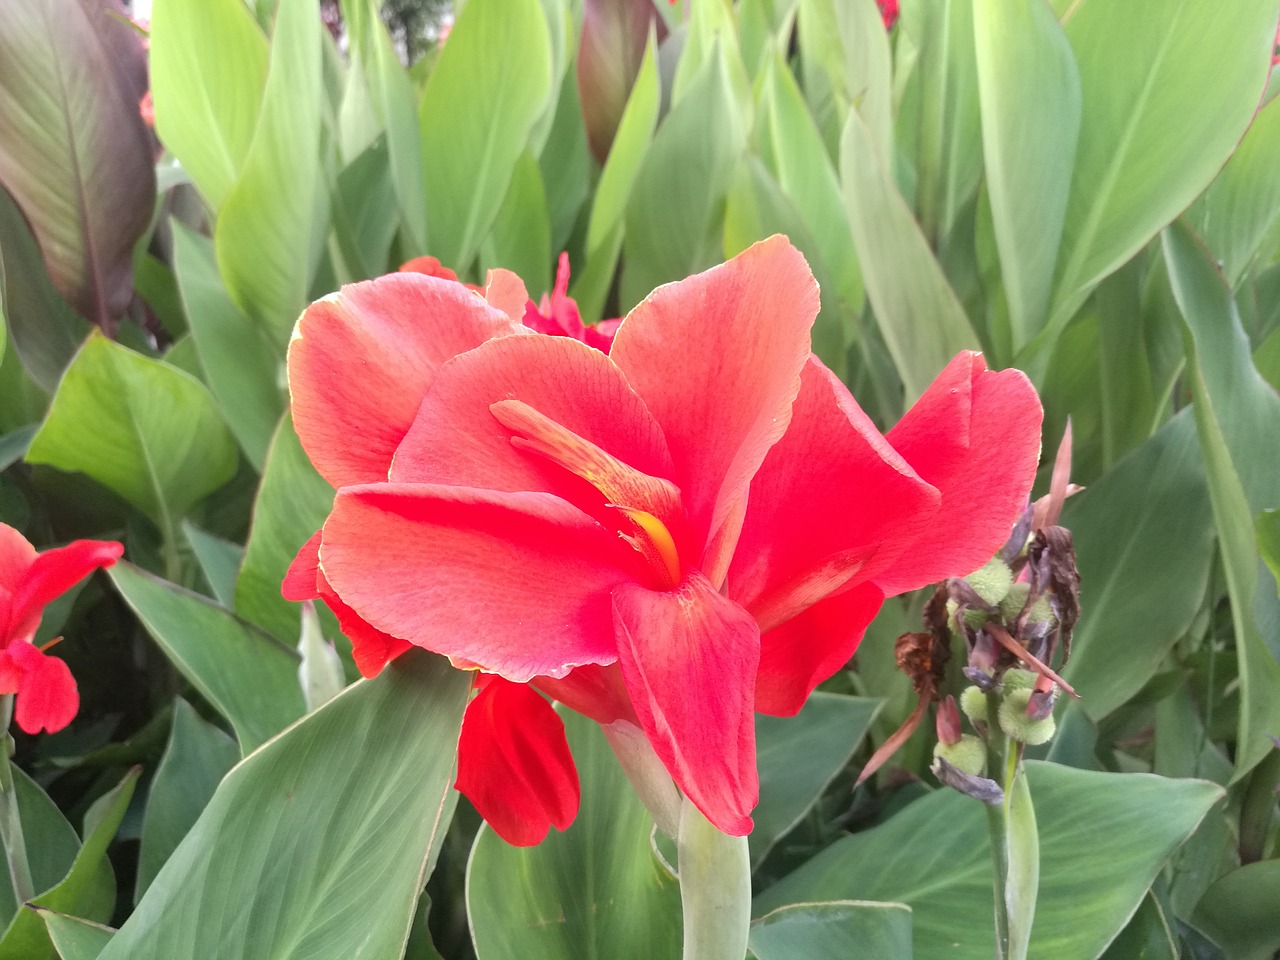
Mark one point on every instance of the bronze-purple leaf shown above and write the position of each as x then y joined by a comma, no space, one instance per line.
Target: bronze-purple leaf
74,152
614,34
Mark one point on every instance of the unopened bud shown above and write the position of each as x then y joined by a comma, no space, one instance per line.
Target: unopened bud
1017,725
948,721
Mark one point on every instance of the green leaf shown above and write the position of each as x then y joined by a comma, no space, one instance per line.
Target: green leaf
834,931
923,324
1239,912
565,165
1237,419
1029,90
241,367
13,445
1103,838
73,938
364,212
799,756
74,152
44,331
485,94
673,212
595,891
52,843
88,890
208,70
521,237
1243,202
626,156
1168,89
1151,513
219,561
1267,527
271,227
198,756
317,845
248,676
1148,936
139,427
292,504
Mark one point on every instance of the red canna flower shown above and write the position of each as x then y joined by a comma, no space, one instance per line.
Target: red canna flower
889,12
29,581
696,526
557,314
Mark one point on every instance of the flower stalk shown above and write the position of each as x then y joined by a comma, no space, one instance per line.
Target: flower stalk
15,844
715,889
1015,846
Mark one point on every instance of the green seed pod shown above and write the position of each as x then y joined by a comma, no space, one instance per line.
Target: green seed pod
1019,679
968,754
1017,725
1014,601
992,582
974,704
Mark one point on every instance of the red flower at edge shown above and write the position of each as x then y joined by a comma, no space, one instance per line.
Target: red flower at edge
698,525
888,12
29,581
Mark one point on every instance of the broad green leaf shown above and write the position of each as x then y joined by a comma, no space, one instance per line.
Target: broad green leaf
1130,402
74,152
1237,419
1168,88
13,445
139,427
267,230
630,146
198,756
88,890
44,331
292,504
248,676
317,845
1103,838
764,27
1149,935
1243,202
565,165
1239,912
1029,91
595,891
485,94
219,561
798,757
834,931
673,212
208,70
52,843
392,95
73,938
1150,513
240,366
1267,527
709,30
521,237
923,324
364,213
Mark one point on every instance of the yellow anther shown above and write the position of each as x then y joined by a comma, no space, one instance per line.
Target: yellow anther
655,542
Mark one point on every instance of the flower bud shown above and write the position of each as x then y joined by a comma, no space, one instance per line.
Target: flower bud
992,582
948,721
973,701
1015,722
968,754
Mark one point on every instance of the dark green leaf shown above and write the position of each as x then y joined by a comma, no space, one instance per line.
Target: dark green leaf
51,841
73,938
834,931
219,561
1239,912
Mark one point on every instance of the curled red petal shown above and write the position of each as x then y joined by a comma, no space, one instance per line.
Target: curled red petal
717,358
52,574
514,763
362,359
517,583
428,266
507,292
798,655
301,580
689,659
975,435
47,696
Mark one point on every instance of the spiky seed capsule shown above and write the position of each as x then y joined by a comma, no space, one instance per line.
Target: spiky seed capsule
974,704
1019,679
968,754
992,582
1017,725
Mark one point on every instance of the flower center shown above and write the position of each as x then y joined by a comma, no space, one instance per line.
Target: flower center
654,542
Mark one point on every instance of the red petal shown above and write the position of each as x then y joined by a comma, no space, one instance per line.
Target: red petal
456,438
798,655
832,504
717,358
975,435
48,698
517,583
514,763
689,659
593,691
362,359
52,574
16,557
428,266
303,576
507,292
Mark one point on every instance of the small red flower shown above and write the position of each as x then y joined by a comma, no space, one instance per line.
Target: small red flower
889,11
557,314
29,581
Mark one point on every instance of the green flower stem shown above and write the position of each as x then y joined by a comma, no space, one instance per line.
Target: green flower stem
648,777
15,844
1015,845
715,889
